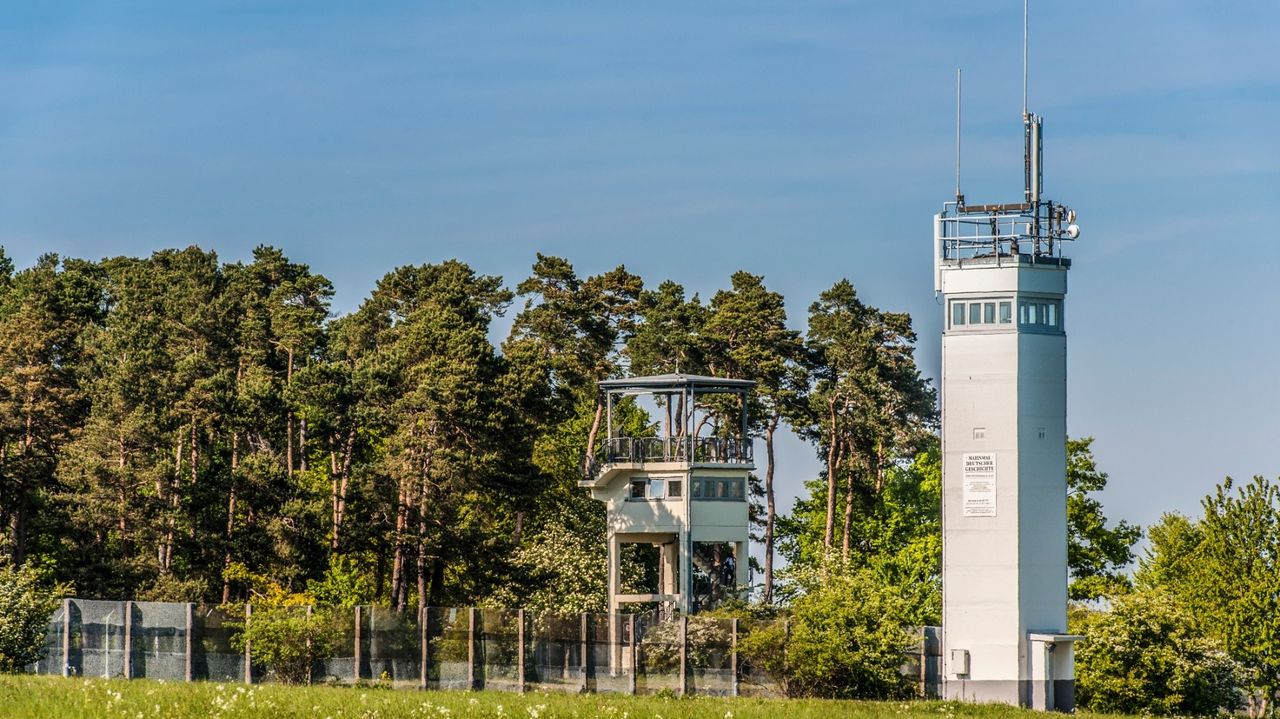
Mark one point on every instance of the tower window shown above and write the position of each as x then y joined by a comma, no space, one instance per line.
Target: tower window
724,490
1039,314
641,489
983,312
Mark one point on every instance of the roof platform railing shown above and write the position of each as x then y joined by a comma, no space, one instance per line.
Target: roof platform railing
678,395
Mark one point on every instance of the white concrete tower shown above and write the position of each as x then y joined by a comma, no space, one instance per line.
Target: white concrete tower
1002,277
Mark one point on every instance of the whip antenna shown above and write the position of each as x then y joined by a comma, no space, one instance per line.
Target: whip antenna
959,197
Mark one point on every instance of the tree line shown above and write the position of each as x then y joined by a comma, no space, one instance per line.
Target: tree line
172,424
180,428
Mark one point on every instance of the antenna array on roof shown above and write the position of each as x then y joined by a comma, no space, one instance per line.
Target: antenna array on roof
1033,228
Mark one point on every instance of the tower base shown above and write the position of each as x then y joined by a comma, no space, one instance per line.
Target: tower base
1055,695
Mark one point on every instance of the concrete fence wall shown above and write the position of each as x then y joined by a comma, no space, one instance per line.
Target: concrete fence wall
436,648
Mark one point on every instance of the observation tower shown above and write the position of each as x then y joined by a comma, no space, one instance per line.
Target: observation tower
1002,279
682,490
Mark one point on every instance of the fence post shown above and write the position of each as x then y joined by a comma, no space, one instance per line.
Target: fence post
248,648
311,662
520,658
924,662
128,640
684,654
355,650
188,668
786,651
424,647
631,645
472,650
585,650
733,657
66,637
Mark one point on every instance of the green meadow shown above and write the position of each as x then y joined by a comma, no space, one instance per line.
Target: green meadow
32,697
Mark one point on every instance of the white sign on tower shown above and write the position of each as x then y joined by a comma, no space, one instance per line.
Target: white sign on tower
979,496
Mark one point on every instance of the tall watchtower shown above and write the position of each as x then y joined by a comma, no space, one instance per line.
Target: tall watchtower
683,490
1000,271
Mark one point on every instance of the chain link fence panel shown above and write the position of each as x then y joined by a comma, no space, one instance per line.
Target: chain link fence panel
463,648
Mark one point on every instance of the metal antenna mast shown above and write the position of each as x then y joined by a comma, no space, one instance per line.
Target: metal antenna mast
959,197
1024,58
1032,160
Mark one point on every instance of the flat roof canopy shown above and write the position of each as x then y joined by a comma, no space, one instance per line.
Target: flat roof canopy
664,383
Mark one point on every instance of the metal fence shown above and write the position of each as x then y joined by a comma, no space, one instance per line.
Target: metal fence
443,648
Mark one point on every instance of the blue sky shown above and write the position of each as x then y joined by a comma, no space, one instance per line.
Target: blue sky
803,141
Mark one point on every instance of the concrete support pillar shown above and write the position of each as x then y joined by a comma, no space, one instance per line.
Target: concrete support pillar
473,650
128,640
685,552
588,669
633,660
684,654
424,646
188,668
742,564
615,587
310,659
668,561
355,647
733,658
520,650
66,637
248,649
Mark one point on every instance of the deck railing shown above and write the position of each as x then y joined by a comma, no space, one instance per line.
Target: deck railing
701,450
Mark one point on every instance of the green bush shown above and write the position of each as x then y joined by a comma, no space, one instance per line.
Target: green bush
706,636
848,637
288,640
1147,656
280,632
26,602
762,652
845,637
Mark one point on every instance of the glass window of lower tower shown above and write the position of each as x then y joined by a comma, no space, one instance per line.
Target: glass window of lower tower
957,313
1006,313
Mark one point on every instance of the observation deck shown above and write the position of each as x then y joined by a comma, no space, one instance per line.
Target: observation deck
690,405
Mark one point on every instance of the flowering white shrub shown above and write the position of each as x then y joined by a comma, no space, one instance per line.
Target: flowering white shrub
26,602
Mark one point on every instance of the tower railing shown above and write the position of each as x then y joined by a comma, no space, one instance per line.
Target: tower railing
699,450
1034,231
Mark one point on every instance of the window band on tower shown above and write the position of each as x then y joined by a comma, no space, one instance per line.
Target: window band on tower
997,313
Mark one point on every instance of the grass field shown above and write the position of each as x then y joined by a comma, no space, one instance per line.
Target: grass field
30,697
